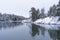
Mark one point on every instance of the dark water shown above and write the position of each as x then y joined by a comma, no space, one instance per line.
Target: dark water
27,31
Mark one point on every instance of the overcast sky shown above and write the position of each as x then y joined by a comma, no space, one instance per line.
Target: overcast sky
22,7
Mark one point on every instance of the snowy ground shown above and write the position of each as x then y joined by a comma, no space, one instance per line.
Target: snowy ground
26,21
48,20
47,23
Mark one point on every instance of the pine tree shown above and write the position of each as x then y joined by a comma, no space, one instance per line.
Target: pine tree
34,14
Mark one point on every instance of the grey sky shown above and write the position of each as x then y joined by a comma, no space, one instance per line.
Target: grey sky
22,7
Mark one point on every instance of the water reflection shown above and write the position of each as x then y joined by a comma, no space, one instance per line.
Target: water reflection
35,30
58,35
41,31
54,34
28,31
9,24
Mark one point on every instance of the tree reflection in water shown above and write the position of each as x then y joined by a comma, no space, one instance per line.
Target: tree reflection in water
34,30
54,34
37,30
58,34
8,24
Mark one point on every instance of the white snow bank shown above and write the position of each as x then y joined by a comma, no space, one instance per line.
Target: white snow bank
48,20
26,21
52,27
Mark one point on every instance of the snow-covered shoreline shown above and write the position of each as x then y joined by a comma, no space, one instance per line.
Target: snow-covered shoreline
48,20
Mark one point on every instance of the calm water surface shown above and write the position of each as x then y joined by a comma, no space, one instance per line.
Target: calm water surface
27,31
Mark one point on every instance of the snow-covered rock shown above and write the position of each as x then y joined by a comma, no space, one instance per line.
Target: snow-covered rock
48,20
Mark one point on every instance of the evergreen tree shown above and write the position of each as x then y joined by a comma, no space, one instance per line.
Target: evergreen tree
34,14
42,15
52,11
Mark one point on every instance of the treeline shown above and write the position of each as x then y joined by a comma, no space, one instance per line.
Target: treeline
9,17
37,14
